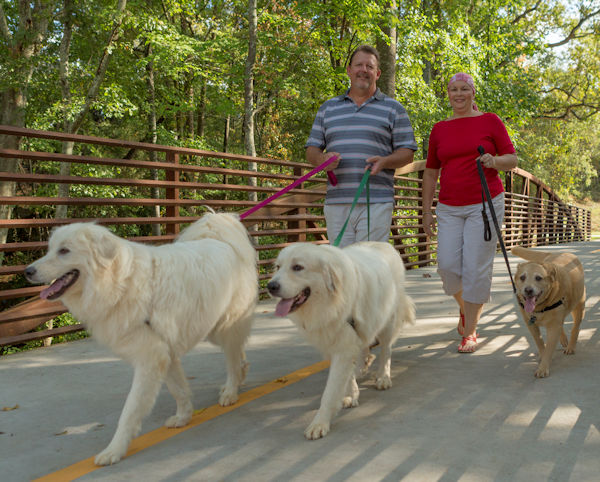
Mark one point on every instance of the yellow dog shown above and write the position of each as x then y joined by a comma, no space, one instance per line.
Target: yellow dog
549,287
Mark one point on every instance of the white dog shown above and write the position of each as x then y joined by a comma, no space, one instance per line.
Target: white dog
343,300
151,304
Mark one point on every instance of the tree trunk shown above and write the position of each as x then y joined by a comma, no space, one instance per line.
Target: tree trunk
249,93
155,192
226,133
201,110
387,48
63,75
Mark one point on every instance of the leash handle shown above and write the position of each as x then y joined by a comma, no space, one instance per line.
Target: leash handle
486,189
287,188
332,178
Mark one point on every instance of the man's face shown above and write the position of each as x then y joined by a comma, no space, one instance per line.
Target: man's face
364,71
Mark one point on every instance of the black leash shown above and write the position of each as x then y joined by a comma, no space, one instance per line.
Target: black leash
487,233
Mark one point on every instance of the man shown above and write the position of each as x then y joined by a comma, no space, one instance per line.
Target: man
364,128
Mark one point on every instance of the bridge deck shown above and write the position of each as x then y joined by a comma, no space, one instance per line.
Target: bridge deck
447,417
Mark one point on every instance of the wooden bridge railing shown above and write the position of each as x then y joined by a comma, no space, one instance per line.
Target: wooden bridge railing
114,182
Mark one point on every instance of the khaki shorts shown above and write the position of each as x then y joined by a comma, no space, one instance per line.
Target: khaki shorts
381,220
465,259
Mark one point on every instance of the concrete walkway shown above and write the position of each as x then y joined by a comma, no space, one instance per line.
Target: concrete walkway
448,417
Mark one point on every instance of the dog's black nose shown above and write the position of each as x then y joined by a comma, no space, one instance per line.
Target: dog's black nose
528,291
273,287
29,272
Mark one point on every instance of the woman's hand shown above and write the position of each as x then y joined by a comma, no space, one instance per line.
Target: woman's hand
487,160
428,224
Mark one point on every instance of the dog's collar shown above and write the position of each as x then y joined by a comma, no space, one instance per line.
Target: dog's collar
533,318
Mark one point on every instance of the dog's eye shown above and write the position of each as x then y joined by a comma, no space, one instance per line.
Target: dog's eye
538,278
297,267
63,251
523,277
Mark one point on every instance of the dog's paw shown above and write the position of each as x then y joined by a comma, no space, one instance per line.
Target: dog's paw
542,372
383,383
316,430
228,397
109,456
369,359
569,351
349,402
177,421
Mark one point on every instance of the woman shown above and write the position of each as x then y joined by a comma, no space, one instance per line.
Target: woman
465,258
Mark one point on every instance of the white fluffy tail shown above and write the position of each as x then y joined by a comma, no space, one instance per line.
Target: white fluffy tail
225,227
410,311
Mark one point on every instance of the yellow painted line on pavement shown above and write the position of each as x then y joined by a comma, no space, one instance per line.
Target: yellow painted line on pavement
142,442
596,251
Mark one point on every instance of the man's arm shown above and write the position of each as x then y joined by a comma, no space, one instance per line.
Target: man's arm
399,158
316,157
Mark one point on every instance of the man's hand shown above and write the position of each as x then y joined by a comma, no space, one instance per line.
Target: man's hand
376,164
316,157
399,158
334,164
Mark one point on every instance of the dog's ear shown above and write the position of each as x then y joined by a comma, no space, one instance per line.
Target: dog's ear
333,277
103,245
551,270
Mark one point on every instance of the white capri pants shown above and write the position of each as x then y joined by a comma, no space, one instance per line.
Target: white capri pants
381,220
465,259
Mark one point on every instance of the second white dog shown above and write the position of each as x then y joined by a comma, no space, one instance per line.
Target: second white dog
151,304
343,301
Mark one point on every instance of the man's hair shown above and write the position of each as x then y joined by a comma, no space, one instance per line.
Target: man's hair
366,49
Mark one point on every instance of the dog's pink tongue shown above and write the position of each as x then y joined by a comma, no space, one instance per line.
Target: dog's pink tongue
53,288
283,307
530,304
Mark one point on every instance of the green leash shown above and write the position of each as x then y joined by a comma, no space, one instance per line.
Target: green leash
364,184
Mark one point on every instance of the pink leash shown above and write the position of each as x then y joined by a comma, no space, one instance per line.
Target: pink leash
261,204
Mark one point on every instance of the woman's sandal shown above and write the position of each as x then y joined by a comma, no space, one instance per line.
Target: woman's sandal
468,344
461,324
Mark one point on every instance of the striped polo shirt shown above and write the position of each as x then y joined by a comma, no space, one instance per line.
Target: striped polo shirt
376,128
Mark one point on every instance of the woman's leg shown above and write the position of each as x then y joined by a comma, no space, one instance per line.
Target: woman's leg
461,317
472,315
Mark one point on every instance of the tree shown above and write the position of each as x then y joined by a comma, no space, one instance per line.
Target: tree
74,116
23,33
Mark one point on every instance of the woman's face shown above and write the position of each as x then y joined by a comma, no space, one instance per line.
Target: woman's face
461,96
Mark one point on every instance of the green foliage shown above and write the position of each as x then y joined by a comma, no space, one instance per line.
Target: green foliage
197,53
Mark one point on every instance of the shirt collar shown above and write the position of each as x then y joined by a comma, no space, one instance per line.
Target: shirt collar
378,95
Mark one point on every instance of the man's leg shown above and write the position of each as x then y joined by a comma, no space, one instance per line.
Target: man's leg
335,217
380,222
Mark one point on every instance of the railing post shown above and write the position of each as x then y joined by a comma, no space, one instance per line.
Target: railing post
172,193
291,238
422,250
540,218
508,209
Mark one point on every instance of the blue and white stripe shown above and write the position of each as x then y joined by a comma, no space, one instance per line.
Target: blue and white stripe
376,128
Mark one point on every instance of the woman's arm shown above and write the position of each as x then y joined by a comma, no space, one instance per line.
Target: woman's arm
430,177
505,162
